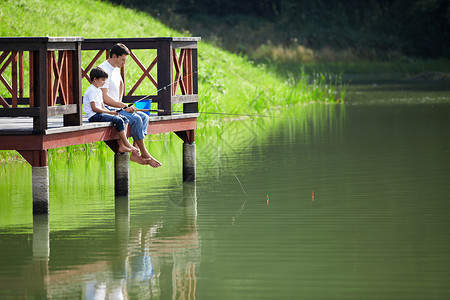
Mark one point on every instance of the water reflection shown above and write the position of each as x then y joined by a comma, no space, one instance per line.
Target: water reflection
155,259
377,227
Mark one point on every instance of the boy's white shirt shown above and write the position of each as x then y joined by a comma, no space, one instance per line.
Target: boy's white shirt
113,81
92,94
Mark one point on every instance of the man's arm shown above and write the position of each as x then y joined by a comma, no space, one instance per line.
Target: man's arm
108,100
121,90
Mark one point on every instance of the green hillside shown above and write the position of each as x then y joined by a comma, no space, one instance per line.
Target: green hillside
227,82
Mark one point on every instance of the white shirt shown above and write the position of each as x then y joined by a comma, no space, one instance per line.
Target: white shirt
92,94
113,81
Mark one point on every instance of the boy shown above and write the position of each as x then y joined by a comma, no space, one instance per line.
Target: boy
96,112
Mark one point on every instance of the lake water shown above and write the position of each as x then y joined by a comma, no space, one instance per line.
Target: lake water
318,202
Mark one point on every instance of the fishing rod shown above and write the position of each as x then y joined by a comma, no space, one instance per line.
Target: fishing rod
163,88
206,112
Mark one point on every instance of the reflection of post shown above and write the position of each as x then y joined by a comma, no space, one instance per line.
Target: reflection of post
118,288
184,278
122,205
190,201
41,235
41,256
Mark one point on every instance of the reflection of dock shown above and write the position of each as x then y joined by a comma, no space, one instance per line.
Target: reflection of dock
49,115
136,261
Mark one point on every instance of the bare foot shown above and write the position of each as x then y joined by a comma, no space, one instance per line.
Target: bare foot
153,162
134,150
144,160
135,157
123,149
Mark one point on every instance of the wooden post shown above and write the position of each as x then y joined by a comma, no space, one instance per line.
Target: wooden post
193,107
165,77
40,85
75,87
121,184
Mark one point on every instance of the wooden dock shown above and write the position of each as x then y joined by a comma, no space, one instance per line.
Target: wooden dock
49,115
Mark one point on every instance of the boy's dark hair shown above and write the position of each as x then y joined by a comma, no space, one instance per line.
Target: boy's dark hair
98,73
119,49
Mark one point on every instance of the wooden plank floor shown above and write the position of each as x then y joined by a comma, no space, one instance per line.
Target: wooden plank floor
17,133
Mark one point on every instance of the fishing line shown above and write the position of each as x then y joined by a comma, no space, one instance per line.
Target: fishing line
240,184
163,88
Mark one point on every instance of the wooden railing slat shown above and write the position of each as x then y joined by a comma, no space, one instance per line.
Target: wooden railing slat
14,78
21,83
4,103
91,64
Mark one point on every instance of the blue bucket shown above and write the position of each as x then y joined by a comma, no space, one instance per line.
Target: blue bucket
143,104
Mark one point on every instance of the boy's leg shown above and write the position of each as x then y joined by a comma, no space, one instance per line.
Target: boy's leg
122,148
120,127
124,144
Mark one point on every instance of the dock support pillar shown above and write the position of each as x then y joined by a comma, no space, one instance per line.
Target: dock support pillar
40,181
121,184
189,162
188,137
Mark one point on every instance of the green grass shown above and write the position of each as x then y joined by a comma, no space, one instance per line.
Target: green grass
227,81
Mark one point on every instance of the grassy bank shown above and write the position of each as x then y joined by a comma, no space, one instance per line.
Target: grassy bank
228,82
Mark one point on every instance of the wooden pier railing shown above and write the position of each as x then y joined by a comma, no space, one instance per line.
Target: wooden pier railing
175,71
54,69
55,72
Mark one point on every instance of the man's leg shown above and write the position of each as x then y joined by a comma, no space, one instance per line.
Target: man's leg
151,160
136,124
140,142
139,122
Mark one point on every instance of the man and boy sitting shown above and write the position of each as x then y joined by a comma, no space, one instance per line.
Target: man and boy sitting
107,88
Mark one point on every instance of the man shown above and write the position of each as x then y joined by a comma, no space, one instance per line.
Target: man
113,91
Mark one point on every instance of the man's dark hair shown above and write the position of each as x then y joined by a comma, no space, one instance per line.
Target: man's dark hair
98,73
119,50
